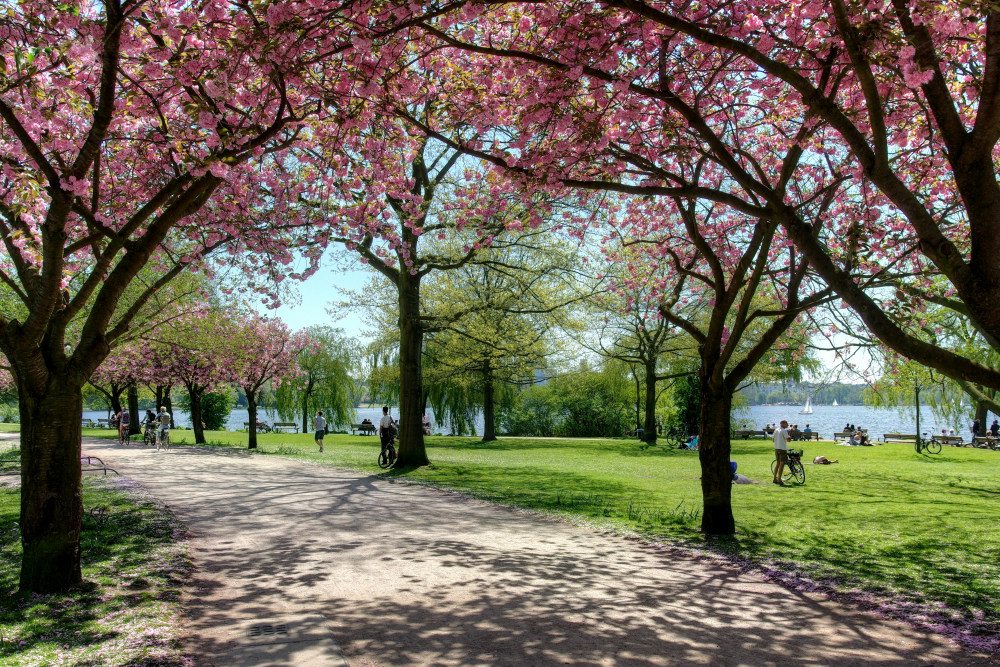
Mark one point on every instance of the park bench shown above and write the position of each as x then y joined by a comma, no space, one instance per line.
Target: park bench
899,437
953,440
94,464
847,435
811,435
364,428
746,434
285,426
985,442
103,423
86,422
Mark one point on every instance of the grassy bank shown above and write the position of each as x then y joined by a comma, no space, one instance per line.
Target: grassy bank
885,525
128,610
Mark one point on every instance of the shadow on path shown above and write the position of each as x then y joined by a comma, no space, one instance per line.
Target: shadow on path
407,575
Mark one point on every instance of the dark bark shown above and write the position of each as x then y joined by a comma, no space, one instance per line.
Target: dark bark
133,409
169,404
489,407
252,414
649,425
411,337
195,394
51,495
713,451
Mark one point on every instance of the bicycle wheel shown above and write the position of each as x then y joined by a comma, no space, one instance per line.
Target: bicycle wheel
796,471
932,447
123,436
383,458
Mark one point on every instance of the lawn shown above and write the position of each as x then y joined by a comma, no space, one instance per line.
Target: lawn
127,612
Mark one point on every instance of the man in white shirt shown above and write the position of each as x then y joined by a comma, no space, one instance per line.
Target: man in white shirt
386,427
780,438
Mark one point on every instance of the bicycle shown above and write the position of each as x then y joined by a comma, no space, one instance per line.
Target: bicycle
123,434
930,446
793,467
149,435
163,439
388,454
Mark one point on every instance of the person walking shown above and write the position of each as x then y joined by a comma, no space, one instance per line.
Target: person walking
780,438
319,425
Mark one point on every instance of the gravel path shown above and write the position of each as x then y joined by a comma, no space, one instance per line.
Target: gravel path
310,565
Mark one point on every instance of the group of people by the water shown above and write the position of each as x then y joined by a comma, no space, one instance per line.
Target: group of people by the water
794,432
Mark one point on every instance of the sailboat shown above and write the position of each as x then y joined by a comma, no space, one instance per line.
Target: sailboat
835,404
808,410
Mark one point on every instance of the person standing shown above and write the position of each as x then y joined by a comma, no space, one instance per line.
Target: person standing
319,425
386,427
780,438
975,429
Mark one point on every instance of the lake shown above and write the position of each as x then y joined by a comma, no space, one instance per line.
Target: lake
825,418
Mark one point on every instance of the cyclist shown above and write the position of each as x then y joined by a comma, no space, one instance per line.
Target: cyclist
149,422
164,418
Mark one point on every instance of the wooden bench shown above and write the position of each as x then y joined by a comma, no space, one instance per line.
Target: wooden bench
364,428
953,440
87,423
899,437
103,423
985,442
746,434
285,426
809,435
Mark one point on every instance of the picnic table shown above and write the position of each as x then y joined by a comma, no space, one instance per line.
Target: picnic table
364,428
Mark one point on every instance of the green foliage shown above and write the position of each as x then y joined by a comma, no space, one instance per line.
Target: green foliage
585,403
216,407
530,413
326,383
687,404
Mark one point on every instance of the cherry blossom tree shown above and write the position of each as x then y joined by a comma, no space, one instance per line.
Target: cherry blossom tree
136,134
261,351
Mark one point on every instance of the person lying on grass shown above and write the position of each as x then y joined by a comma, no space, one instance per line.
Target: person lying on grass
822,460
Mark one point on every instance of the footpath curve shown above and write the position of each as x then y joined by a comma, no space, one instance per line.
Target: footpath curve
297,563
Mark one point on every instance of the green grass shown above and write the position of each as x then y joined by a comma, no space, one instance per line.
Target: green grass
884,522
128,610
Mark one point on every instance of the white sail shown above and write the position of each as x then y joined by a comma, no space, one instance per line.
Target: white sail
835,404
808,410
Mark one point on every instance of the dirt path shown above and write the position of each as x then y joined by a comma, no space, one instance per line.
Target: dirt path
309,565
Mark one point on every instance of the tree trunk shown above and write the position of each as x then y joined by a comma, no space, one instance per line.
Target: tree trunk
489,412
115,397
133,409
199,432
411,337
649,426
252,413
169,404
51,494
713,452
982,411
306,393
